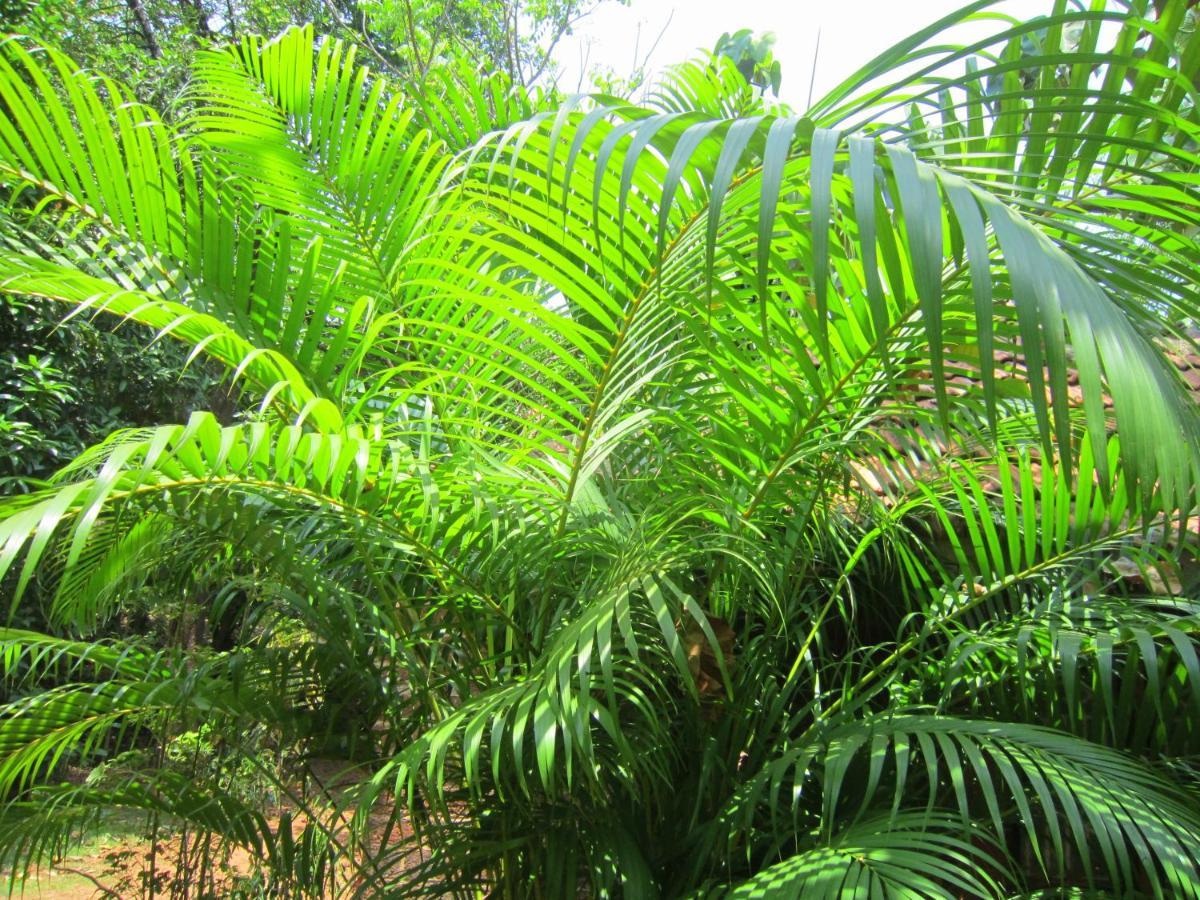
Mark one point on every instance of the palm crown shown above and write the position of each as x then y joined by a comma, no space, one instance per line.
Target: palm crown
655,498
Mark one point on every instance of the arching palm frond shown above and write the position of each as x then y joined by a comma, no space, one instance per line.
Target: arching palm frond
643,499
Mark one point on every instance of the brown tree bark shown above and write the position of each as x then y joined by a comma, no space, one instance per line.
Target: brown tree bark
147,30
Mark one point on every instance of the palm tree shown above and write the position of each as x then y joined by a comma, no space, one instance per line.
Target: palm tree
638,500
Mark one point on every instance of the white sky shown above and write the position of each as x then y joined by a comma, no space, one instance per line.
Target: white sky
852,33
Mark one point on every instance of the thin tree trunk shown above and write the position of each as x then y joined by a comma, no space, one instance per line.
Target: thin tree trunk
199,18
143,20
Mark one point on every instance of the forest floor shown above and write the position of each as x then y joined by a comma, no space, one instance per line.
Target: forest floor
108,865
116,863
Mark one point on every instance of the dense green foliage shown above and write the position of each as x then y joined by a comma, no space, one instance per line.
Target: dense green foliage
65,385
149,45
651,500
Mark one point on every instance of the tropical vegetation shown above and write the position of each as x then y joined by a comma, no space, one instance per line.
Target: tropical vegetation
681,498
65,385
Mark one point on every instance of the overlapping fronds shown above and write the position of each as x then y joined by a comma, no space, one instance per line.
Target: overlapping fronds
689,496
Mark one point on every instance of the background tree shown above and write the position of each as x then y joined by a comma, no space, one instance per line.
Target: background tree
64,388
148,44
754,57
